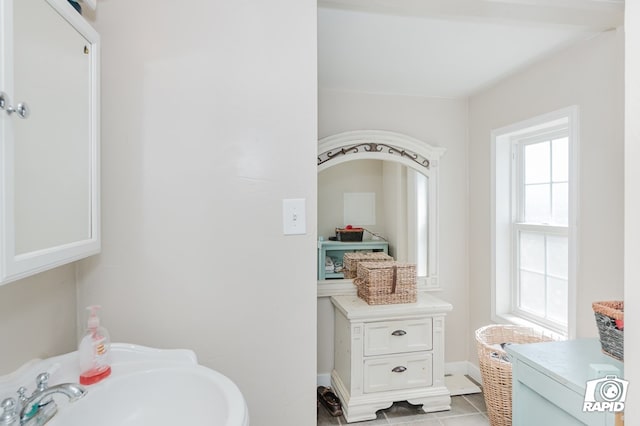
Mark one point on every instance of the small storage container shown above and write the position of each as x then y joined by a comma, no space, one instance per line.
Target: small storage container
350,234
610,321
350,261
386,283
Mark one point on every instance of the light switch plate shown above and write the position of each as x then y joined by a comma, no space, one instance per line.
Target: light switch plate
294,216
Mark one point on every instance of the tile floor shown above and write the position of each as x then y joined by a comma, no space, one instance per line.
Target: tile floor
466,410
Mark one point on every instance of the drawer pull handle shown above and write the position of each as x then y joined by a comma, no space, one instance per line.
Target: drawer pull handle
399,369
399,333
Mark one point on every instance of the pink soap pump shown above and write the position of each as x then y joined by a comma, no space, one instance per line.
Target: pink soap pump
93,351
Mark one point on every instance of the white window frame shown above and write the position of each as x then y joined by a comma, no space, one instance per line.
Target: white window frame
504,208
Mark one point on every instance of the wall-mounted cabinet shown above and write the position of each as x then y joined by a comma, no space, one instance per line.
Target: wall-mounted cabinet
49,128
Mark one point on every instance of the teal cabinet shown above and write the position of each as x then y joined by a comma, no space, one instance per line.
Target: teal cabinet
550,382
337,249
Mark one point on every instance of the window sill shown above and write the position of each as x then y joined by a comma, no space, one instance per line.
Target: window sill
516,320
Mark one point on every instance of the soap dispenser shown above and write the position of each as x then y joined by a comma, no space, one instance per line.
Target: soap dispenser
93,352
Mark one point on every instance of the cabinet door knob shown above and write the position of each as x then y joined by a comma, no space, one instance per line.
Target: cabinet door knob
399,369
22,109
399,333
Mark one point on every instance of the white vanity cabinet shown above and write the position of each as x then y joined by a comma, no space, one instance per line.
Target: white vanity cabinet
49,137
389,353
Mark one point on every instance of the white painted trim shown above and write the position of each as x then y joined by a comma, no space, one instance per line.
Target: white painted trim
517,320
432,153
601,14
463,368
570,114
574,217
457,367
337,141
474,372
328,288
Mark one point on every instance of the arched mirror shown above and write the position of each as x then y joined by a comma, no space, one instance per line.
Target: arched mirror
387,184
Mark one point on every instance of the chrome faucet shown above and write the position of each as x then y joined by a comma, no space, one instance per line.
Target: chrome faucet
39,408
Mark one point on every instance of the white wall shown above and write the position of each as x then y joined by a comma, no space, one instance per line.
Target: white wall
590,75
632,209
209,115
37,318
440,122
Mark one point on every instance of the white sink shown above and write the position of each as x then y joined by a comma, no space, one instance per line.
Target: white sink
146,387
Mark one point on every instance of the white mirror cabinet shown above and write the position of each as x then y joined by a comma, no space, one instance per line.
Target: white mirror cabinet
410,169
49,137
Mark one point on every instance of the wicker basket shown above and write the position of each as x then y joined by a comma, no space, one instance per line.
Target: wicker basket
386,283
350,261
495,366
611,337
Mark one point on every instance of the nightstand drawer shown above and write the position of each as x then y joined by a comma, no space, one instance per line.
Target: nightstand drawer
398,372
393,337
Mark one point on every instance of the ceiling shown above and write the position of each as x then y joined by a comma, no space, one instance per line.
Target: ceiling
447,48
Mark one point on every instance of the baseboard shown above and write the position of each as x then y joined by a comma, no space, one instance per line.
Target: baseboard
474,372
464,368
460,367
459,378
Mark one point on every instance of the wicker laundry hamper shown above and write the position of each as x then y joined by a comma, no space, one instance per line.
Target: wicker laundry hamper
495,366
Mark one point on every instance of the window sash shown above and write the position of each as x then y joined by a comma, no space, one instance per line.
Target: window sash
516,291
518,145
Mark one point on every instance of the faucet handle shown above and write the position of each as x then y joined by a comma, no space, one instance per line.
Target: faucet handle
22,395
9,411
42,382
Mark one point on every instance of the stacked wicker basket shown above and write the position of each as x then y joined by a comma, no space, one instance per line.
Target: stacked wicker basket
380,279
350,261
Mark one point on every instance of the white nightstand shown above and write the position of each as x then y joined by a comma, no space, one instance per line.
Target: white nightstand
389,353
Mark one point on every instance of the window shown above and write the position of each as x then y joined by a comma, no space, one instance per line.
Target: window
533,219
418,222
421,226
